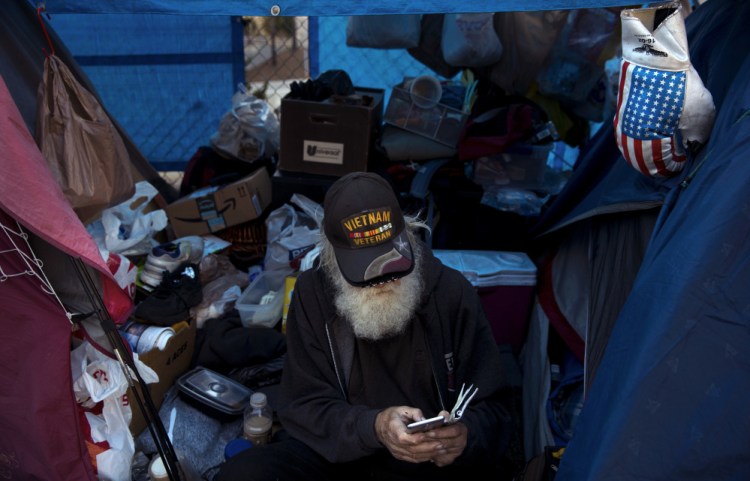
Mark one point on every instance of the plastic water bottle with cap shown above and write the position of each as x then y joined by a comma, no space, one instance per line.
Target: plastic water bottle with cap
258,420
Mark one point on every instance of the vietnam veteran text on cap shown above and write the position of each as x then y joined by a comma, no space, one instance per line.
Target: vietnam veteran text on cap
364,224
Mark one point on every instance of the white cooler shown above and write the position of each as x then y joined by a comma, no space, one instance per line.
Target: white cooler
505,281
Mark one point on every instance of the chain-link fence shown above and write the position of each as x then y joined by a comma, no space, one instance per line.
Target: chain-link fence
169,79
283,50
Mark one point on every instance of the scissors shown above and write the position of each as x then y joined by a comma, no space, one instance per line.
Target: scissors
464,397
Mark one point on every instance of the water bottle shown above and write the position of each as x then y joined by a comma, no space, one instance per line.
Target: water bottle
258,420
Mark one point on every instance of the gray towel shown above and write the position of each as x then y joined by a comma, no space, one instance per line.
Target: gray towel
198,439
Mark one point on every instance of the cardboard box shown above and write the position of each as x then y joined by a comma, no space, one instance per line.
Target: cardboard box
505,282
329,138
169,364
215,208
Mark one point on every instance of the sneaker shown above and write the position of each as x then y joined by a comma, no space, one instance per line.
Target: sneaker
148,280
167,256
171,301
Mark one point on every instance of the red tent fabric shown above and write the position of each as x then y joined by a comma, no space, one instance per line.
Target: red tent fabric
40,435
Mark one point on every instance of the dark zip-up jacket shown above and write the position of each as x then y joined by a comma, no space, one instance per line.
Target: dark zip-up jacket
320,346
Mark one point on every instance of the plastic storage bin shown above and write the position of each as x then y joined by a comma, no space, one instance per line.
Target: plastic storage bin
440,122
506,282
521,166
253,310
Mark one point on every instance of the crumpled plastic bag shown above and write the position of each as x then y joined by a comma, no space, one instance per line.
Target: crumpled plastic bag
97,378
250,130
125,228
123,270
219,296
292,232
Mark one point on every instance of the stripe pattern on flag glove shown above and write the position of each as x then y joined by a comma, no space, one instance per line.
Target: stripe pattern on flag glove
649,105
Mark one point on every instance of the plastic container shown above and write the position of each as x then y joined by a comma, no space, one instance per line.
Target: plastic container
506,282
438,122
213,393
144,337
425,91
254,310
525,165
258,420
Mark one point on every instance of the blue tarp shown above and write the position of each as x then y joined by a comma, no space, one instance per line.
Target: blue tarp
167,79
670,399
182,60
317,7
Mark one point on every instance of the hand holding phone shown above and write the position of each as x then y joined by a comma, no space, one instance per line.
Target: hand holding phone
425,424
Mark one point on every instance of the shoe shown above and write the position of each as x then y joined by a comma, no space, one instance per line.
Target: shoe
171,301
148,280
167,256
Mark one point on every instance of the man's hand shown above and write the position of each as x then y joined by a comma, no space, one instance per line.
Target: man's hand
441,445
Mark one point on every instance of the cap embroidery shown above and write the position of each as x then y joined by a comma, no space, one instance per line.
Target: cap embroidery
368,228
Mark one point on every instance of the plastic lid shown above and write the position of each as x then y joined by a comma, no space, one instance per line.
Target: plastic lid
258,399
215,390
157,470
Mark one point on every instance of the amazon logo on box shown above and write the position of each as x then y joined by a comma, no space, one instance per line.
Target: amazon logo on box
215,208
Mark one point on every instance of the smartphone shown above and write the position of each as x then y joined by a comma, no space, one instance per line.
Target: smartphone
425,424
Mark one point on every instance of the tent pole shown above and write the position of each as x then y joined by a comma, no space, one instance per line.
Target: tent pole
125,358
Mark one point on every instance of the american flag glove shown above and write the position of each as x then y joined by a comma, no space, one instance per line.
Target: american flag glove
663,108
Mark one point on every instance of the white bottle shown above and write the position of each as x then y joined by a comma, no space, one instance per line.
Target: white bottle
258,420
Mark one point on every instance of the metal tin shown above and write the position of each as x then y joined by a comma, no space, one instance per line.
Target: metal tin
214,393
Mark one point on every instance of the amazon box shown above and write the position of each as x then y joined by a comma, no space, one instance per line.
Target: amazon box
215,208
332,137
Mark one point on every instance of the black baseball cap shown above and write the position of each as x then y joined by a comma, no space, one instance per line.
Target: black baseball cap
363,222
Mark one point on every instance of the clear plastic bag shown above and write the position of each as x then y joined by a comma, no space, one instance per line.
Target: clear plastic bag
292,232
249,130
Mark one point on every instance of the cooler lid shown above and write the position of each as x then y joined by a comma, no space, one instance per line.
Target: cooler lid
490,268
215,390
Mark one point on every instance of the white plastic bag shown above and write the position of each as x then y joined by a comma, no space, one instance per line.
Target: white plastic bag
123,270
127,230
292,233
99,378
469,40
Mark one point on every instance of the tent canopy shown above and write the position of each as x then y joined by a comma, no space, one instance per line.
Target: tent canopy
318,7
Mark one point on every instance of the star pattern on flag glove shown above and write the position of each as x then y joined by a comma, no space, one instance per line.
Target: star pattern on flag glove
655,103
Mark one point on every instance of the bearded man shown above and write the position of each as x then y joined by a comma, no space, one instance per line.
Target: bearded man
380,334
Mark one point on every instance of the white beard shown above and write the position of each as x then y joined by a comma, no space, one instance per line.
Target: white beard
378,312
